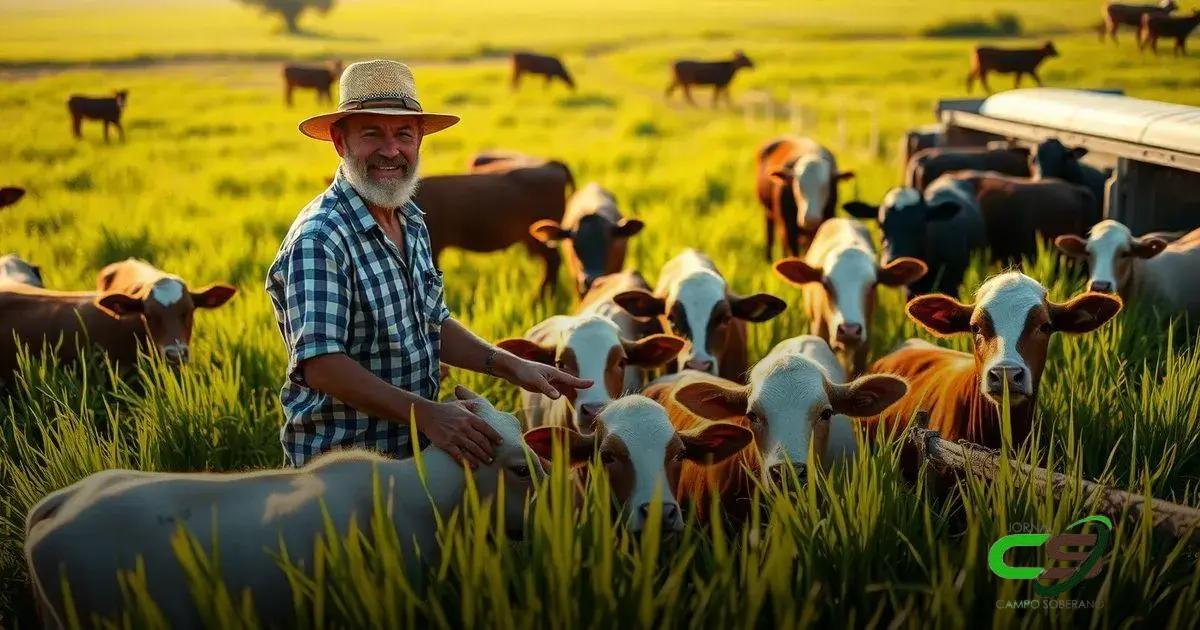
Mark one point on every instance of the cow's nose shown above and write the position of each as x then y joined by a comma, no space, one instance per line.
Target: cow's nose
177,354
780,473
849,333
698,365
1102,286
1015,375
672,517
589,411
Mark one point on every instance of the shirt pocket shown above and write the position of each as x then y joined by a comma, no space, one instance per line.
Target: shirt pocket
434,291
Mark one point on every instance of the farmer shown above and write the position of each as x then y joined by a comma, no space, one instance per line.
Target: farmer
360,304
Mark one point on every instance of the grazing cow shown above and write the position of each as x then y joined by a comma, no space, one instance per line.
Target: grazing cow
134,516
687,73
10,195
1116,14
135,287
1145,267
642,454
317,78
15,270
929,164
590,347
798,399
1011,323
545,65
797,182
943,229
487,212
1020,61
1156,26
592,234
838,277
104,108
693,300
1053,159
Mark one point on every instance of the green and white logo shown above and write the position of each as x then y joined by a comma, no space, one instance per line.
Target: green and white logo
1088,561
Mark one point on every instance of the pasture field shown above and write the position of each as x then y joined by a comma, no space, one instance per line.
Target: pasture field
213,172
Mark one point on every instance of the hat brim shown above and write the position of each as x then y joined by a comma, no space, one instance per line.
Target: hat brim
317,127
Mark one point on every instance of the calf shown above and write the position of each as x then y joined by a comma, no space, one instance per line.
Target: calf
545,65
591,347
929,164
1053,159
642,454
15,270
592,234
693,300
1011,323
1116,14
104,108
137,288
838,278
1156,26
796,405
514,199
687,73
1146,267
1007,60
601,300
318,78
135,517
10,195
796,180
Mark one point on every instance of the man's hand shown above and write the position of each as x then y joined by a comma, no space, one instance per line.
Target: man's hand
454,428
537,377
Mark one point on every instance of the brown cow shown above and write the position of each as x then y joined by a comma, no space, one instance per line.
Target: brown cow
487,212
319,78
103,108
687,73
16,270
796,180
592,234
1156,26
914,140
1011,323
601,300
1116,14
930,164
1021,61
136,288
501,161
10,195
545,65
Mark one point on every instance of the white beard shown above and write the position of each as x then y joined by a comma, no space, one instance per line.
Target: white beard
393,194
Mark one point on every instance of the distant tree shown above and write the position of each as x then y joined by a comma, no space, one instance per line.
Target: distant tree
290,10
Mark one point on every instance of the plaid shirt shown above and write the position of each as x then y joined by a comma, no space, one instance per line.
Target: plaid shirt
339,285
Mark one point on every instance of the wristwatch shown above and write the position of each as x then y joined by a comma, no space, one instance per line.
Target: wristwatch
490,361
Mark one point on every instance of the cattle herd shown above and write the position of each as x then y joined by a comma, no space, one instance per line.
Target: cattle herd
679,412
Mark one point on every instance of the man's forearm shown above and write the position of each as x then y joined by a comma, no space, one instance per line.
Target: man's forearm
346,380
462,348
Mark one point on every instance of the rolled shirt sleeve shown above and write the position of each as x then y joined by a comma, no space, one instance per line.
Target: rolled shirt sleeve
317,298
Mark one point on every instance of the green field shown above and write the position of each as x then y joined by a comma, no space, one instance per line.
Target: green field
213,172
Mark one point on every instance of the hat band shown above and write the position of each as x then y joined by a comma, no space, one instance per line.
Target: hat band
403,102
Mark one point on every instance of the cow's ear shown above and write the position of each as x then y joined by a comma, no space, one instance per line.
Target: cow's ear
861,210
1078,152
797,271
640,303
902,271
1147,247
868,395
575,445
628,227
782,175
549,232
714,442
1084,313
943,211
119,304
652,351
844,176
528,350
940,314
213,295
1071,245
759,307
711,400
10,195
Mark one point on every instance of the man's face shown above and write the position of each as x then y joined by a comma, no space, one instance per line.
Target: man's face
380,155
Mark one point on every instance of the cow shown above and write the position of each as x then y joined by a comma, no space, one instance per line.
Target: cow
1178,27
796,181
591,347
1116,14
592,235
487,212
942,228
923,137
798,399
319,78
1011,323
642,454
692,300
687,73
502,161
601,300
104,108
1021,61
1052,159
545,65
16,270
1147,267
10,195
838,278
929,164
250,517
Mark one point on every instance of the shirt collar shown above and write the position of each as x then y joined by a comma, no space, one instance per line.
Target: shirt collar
361,215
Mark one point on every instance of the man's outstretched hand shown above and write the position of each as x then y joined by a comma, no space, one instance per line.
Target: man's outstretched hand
537,377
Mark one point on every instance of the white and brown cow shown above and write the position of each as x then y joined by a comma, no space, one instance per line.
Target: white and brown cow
797,181
601,300
1144,267
693,300
593,235
838,278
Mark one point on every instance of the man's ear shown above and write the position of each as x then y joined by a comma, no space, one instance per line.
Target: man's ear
576,446
213,295
797,271
652,351
940,314
528,350
119,304
549,232
714,442
640,303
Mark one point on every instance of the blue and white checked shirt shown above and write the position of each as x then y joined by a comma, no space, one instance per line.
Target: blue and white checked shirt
339,285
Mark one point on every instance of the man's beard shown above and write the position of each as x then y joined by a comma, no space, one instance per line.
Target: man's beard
391,193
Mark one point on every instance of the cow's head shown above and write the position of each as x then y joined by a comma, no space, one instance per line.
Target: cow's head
595,246
591,347
122,97
1052,158
1048,49
1110,250
10,195
642,454
904,218
1011,323
811,179
740,60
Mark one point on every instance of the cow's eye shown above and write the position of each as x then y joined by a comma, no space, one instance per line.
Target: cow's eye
622,362
1046,328
607,459
826,414
976,329
521,471
753,417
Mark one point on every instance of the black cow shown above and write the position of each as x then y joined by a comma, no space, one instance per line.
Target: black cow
1053,159
105,108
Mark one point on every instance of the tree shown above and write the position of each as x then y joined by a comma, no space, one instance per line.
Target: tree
290,10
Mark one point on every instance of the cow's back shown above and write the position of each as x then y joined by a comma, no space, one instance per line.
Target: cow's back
940,381
485,212
35,317
1171,277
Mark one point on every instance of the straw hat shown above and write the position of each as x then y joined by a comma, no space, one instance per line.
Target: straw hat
379,86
